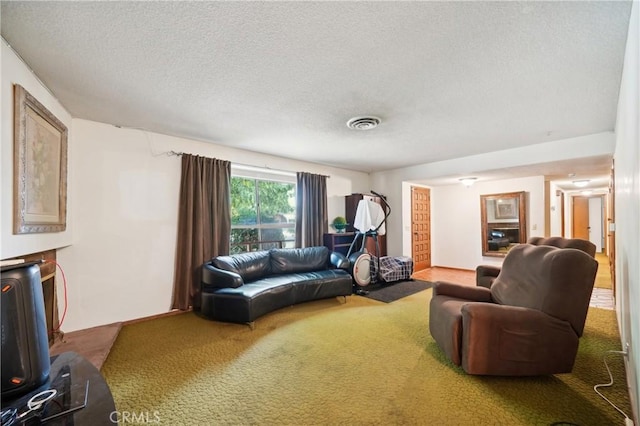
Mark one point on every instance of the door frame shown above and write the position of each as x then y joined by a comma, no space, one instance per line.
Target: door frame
413,232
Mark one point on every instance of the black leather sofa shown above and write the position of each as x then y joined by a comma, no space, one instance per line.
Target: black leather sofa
498,239
242,287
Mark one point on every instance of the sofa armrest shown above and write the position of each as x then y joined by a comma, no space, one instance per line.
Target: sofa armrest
459,291
486,274
339,260
213,277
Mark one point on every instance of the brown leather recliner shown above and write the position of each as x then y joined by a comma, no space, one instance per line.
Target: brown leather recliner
486,274
527,324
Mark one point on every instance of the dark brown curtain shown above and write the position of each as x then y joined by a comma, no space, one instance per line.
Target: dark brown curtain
204,224
311,209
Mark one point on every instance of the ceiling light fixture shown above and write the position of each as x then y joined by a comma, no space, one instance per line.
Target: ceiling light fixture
581,183
363,123
468,181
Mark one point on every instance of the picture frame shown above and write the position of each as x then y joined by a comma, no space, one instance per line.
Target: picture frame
506,208
40,167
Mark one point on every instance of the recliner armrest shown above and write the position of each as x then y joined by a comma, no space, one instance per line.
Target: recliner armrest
466,292
488,270
213,277
486,274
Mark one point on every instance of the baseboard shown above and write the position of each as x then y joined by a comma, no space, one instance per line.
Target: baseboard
453,269
156,316
633,396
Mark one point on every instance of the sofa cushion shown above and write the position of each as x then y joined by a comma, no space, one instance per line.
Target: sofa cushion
250,266
246,303
272,280
321,284
287,261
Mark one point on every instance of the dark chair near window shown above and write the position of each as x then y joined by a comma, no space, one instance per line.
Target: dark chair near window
529,322
486,274
498,240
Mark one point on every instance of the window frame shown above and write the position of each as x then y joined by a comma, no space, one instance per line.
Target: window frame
258,175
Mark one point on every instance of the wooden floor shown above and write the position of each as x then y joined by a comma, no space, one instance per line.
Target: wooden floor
92,343
459,276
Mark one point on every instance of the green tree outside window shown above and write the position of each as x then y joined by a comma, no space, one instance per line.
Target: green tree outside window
261,211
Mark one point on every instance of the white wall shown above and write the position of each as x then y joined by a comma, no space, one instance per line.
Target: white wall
121,207
568,215
456,233
627,206
394,183
120,264
555,215
14,71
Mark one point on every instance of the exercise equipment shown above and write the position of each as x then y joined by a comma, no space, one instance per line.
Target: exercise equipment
369,222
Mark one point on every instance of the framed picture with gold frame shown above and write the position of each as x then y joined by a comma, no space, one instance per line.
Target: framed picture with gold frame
39,167
507,208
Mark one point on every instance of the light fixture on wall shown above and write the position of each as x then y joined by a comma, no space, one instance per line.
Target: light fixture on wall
468,181
586,192
581,183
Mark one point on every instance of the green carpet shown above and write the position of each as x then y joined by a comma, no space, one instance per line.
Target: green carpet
328,363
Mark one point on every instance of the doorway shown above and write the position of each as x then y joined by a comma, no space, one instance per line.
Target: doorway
588,220
420,228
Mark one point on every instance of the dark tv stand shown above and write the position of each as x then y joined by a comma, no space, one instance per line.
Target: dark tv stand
83,396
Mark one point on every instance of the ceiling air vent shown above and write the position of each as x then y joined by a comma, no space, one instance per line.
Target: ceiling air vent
363,123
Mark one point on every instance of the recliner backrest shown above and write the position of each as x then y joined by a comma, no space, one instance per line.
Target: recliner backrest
555,281
561,242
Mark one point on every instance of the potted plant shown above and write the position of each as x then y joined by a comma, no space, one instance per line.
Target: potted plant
339,224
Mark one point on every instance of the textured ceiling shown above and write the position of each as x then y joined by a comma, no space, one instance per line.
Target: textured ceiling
448,79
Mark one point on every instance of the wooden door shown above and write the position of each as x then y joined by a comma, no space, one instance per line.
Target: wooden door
581,218
420,228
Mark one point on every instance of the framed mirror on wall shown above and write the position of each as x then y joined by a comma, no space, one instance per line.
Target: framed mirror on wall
504,222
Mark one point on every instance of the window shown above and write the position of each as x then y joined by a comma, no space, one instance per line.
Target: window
263,213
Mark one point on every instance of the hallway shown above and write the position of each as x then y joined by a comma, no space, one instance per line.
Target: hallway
602,296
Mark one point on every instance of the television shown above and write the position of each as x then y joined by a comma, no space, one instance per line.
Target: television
24,343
